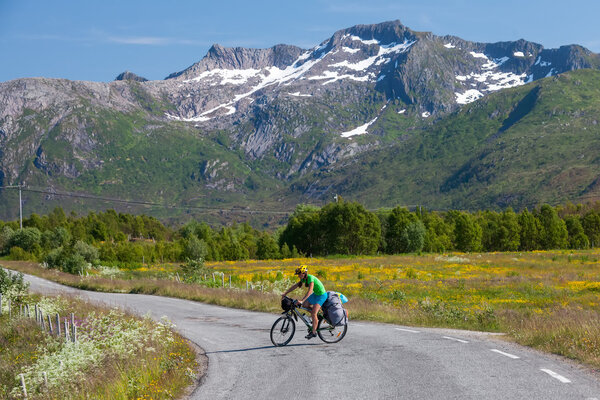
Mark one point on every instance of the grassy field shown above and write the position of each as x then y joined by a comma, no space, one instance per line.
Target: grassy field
116,356
548,300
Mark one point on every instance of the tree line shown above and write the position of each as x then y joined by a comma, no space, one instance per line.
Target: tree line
73,242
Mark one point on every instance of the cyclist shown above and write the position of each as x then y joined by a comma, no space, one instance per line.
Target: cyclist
314,297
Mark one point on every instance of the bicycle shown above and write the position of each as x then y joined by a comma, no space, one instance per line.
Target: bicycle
284,327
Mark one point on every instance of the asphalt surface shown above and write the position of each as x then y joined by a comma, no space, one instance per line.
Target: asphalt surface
375,361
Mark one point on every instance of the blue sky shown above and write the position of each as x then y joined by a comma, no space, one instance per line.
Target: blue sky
96,40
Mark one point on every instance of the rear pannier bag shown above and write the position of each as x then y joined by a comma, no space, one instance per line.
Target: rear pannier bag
333,310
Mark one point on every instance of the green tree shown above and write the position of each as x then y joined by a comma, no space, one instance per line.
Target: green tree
396,230
348,228
591,227
267,248
194,248
439,233
413,237
530,231
467,233
509,237
553,234
27,239
6,239
577,236
303,231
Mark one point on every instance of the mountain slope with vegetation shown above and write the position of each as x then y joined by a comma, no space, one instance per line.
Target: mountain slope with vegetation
519,147
381,113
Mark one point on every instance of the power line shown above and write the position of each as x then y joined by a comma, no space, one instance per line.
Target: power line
146,203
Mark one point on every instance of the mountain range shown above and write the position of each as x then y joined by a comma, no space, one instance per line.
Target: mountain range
377,113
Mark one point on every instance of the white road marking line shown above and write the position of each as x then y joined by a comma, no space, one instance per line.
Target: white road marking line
556,376
407,330
505,354
455,339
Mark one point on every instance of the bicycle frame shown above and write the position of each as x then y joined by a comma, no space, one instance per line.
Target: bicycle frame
297,314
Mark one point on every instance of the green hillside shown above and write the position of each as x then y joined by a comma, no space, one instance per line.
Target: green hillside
519,147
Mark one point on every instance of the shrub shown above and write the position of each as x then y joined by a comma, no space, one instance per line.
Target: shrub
88,252
17,253
26,238
12,284
193,270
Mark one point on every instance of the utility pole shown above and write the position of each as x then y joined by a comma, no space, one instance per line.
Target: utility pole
20,209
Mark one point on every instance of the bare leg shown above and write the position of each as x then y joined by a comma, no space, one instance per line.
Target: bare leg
313,312
307,305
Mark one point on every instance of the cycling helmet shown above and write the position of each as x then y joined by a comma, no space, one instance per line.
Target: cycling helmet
302,269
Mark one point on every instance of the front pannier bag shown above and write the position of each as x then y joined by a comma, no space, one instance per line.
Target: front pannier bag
333,310
286,303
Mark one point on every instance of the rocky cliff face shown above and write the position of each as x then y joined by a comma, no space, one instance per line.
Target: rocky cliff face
287,109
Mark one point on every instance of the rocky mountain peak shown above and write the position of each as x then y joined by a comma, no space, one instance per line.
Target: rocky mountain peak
240,58
385,33
130,76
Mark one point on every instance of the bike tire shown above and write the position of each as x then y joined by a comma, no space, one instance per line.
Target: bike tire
283,331
331,333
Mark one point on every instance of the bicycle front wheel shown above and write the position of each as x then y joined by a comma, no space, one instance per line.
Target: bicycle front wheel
283,331
331,333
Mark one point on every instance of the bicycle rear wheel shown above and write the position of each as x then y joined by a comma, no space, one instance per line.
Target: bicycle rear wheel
331,333
283,331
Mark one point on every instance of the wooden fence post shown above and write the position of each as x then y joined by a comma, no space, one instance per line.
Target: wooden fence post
0,304
222,280
45,380
49,324
57,325
23,385
229,281
246,286
66,330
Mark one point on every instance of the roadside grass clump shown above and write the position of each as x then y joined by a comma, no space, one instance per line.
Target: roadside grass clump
116,355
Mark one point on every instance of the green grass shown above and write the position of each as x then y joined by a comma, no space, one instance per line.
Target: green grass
163,368
547,300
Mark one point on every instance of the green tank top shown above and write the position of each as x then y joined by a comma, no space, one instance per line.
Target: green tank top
318,288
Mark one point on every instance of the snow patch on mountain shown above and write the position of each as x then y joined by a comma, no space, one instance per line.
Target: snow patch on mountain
488,79
225,76
468,97
350,50
358,39
298,94
361,130
478,55
377,59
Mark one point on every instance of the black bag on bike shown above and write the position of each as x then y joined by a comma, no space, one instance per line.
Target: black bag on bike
333,310
286,303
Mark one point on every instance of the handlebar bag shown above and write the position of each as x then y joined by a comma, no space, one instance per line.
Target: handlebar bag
286,303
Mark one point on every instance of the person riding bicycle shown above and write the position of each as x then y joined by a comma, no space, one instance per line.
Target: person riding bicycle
314,297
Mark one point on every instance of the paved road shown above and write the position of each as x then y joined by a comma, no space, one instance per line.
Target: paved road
375,361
